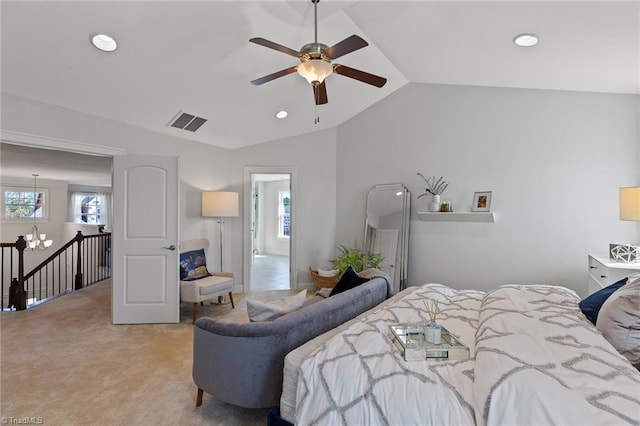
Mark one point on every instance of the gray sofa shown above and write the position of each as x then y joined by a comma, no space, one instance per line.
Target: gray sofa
242,364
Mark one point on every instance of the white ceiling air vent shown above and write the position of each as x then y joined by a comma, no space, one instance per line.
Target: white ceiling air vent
186,121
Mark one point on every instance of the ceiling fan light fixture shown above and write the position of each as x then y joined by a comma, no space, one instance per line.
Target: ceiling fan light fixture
315,70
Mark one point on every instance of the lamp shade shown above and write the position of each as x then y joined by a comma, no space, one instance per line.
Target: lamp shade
315,70
219,204
630,203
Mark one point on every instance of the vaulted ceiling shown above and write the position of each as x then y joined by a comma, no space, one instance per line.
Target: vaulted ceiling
195,56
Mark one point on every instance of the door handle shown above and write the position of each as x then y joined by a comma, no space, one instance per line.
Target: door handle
171,247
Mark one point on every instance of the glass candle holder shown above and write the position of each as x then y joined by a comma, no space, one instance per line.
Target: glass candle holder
446,206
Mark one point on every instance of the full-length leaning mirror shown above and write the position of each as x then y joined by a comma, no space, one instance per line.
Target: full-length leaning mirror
387,229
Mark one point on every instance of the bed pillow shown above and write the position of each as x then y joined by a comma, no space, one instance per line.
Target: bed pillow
590,306
619,321
348,281
268,311
193,265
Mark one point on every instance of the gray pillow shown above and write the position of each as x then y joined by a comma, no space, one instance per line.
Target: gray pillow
619,321
267,311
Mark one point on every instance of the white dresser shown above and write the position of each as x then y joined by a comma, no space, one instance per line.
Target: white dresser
604,271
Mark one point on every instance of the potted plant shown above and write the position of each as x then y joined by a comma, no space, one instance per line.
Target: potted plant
353,256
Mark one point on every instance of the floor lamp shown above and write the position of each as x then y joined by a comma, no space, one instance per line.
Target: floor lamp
220,204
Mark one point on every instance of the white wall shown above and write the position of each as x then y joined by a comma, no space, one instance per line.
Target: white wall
313,155
202,167
205,168
554,161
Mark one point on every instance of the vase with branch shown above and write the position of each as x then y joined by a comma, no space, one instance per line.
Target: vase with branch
434,187
433,330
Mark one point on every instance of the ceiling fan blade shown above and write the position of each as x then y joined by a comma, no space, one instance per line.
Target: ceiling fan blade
348,45
275,46
362,76
273,76
320,93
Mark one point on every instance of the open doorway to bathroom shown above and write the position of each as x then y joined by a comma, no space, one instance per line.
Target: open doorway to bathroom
271,231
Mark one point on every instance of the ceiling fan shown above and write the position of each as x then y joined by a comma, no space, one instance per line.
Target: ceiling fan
315,62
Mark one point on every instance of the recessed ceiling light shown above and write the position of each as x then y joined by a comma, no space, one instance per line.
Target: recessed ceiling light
526,40
103,42
281,114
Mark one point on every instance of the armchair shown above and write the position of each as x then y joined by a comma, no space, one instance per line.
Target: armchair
206,288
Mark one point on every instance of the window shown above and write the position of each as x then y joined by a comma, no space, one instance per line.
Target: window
19,204
284,214
90,208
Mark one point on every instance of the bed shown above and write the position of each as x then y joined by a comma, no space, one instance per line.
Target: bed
535,359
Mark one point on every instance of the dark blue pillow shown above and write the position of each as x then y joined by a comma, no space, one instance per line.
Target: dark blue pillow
590,306
193,265
348,281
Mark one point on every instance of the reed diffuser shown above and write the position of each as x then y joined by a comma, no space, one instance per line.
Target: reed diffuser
433,330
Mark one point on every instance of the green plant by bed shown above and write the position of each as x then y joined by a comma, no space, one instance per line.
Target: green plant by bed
355,257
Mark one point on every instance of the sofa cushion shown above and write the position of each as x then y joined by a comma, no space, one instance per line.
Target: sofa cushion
193,265
213,284
348,281
268,311
590,306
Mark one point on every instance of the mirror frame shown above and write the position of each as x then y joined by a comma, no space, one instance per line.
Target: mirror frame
402,251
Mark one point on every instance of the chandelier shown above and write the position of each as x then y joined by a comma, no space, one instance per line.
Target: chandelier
35,238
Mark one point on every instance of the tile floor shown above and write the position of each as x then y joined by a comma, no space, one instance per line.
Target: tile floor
270,272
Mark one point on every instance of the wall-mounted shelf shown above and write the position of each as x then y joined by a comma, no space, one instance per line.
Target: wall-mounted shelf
457,216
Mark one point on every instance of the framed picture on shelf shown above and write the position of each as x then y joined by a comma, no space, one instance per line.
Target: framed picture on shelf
481,202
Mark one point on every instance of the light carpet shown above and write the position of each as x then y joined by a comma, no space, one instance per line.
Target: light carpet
65,363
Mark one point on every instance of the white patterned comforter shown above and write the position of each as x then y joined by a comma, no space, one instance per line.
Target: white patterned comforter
536,360
540,362
359,377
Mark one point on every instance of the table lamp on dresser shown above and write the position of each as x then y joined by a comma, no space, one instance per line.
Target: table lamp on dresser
629,210
630,203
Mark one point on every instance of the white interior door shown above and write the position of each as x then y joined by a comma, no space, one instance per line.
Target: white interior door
145,239
386,243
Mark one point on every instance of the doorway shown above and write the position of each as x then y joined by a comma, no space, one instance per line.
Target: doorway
269,231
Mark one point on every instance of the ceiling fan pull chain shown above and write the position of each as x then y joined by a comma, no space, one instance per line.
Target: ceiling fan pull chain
316,94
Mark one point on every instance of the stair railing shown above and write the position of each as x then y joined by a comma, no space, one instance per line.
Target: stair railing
82,261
